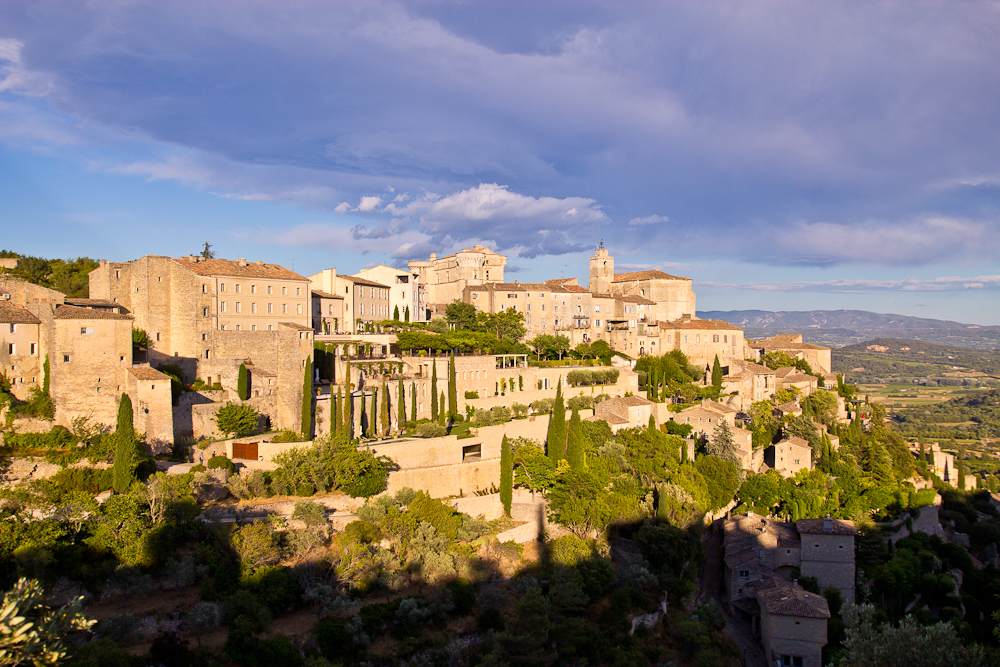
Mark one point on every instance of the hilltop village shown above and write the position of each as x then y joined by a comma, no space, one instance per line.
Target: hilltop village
403,427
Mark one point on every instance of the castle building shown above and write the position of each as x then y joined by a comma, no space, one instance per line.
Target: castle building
445,278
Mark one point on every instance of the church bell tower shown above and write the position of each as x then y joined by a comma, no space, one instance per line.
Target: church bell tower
602,271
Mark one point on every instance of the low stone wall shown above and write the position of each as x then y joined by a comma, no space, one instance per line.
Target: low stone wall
198,421
488,507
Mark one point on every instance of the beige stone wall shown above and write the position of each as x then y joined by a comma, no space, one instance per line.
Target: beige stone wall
371,304
88,369
830,558
20,357
785,456
152,412
797,636
702,345
445,278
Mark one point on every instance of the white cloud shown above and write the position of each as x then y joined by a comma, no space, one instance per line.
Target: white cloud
369,204
648,220
342,207
849,286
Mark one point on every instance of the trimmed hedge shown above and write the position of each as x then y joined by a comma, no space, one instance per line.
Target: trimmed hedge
592,377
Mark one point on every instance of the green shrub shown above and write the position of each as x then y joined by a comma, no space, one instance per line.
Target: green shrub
543,405
287,436
472,394
581,402
237,419
221,462
431,430
57,438
198,468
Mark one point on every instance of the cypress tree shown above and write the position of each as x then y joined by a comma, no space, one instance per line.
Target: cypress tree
506,475
434,396
373,429
45,376
338,413
123,471
363,423
556,437
384,414
413,395
307,400
960,464
348,415
401,400
452,389
574,442
242,383
651,384
652,423
717,373
395,314
406,315
441,414
347,373
331,362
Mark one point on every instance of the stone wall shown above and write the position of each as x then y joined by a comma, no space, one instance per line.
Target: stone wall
795,636
91,381
830,558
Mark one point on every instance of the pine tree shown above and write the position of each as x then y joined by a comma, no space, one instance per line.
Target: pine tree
395,314
307,400
406,316
413,396
383,416
556,437
434,396
242,383
123,471
401,401
722,443
506,475
574,442
452,389
441,413
717,373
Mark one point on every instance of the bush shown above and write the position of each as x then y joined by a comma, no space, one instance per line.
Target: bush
287,436
519,409
57,438
198,468
237,419
495,415
221,463
431,430
543,405
581,402
472,394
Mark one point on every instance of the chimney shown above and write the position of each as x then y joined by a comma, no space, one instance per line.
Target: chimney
828,524
192,258
242,262
259,262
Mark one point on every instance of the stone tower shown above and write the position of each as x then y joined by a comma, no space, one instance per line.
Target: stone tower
602,271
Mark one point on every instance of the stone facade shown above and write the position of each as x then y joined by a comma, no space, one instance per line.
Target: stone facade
793,625
20,358
703,340
818,356
327,312
445,278
149,391
749,382
371,301
625,412
405,291
789,456
828,553
330,282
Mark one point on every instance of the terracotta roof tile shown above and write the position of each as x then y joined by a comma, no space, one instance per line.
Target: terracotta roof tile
364,281
716,325
11,314
147,373
78,313
645,275
790,600
326,295
815,526
293,325
228,267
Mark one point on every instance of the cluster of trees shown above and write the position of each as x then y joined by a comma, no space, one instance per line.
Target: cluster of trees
68,276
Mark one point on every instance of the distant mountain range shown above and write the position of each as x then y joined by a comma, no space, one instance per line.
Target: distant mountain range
837,328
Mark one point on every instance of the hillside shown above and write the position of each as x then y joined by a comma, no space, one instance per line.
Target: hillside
884,357
837,328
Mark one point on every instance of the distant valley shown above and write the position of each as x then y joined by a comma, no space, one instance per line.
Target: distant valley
837,328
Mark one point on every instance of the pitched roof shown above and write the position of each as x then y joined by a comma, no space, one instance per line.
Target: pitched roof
364,281
718,325
326,295
638,299
78,313
237,269
795,440
645,275
816,526
293,325
790,600
147,373
98,303
11,314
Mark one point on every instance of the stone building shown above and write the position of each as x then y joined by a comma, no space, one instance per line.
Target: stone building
405,291
330,282
789,456
749,382
625,412
818,356
371,301
327,312
703,340
763,559
20,358
445,278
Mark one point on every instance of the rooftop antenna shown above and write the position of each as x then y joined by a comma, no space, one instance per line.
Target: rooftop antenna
601,246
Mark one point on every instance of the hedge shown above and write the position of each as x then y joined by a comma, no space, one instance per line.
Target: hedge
591,377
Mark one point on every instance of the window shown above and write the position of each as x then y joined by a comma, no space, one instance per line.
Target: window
204,312
597,309
268,289
475,295
543,306
725,339
268,308
157,336
744,574
511,296
65,358
222,306
253,307
118,274
284,291
253,289
284,308
34,348
222,287
597,323
298,291
86,331
204,288
204,336
253,327
239,306
10,348
238,328
237,288
206,356
222,327
298,309
268,327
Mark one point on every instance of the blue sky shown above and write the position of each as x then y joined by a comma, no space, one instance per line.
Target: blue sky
784,155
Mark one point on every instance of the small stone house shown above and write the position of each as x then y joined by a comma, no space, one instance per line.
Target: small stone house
627,412
789,456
